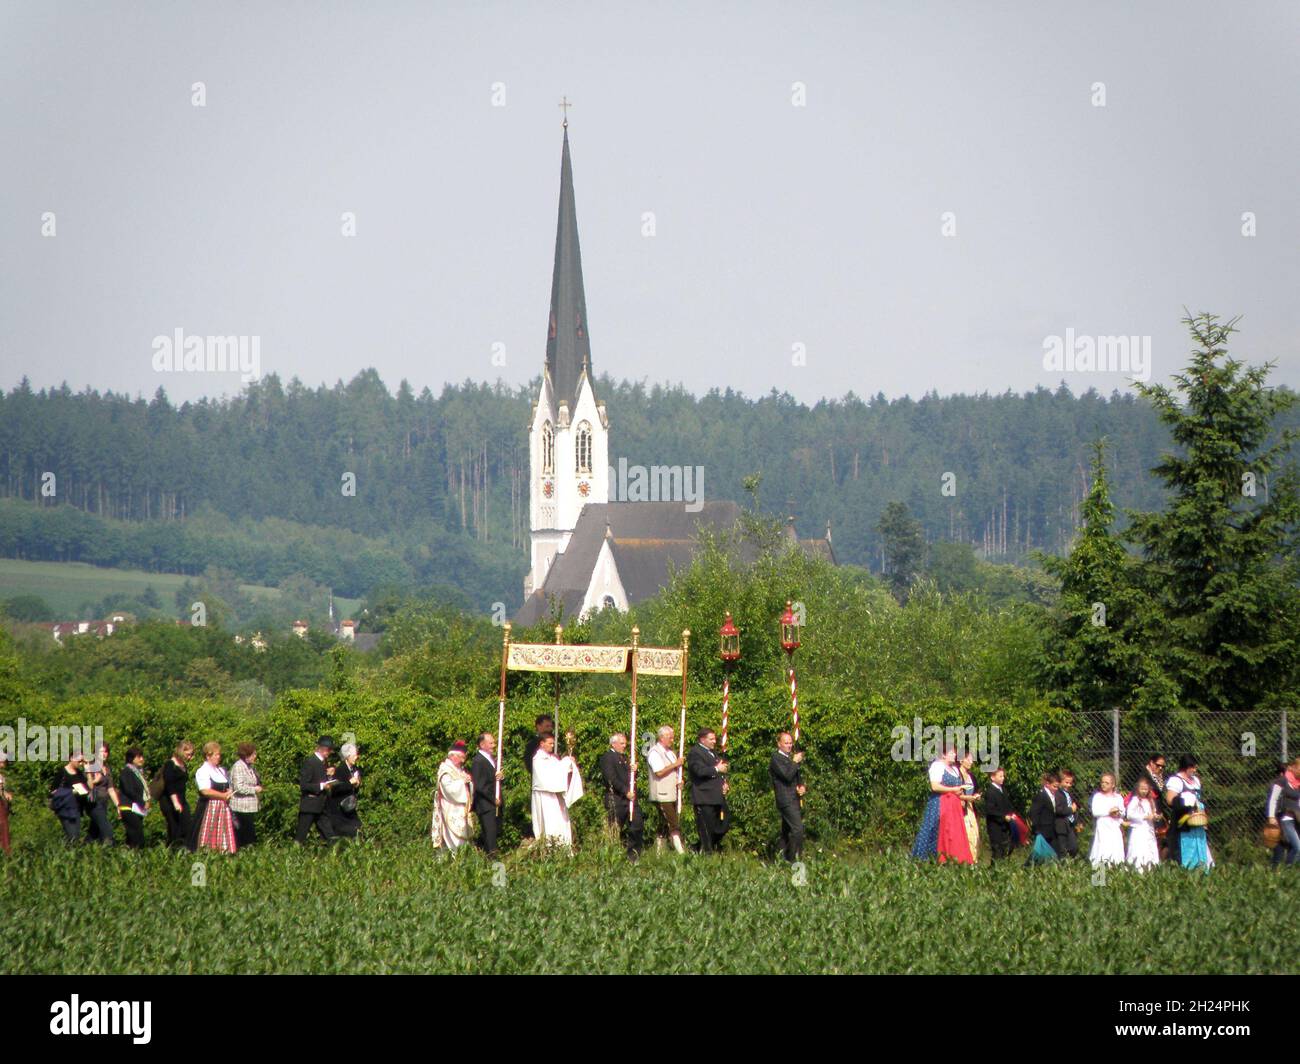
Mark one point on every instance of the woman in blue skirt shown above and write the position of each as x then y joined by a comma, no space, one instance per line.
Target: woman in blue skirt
944,779
1183,793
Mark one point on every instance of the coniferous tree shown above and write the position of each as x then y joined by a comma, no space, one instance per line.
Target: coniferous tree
904,542
1220,557
1099,654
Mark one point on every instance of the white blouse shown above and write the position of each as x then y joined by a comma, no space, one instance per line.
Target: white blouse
1186,793
937,769
1103,803
207,775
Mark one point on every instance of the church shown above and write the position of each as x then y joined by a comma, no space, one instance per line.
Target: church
587,553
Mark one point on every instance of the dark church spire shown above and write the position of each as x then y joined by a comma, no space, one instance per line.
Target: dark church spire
568,344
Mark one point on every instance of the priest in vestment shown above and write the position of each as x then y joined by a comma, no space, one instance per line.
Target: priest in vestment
556,785
451,801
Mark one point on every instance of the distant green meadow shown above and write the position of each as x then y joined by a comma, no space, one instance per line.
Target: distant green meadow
371,909
67,586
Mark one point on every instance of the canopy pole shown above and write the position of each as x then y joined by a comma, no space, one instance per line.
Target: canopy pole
501,709
681,734
632,761
559,638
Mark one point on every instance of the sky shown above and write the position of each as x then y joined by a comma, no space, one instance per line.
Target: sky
816,198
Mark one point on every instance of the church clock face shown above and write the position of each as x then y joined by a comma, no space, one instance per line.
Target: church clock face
584,489
548,488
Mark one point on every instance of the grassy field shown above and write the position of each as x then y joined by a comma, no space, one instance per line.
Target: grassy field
402,909
66,586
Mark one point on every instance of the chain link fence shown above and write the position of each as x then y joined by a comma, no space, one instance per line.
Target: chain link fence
1239,755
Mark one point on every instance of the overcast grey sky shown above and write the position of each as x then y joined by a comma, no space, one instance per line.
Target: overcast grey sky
775,224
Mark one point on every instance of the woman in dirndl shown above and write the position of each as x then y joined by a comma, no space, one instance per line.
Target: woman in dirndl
942,825
1183,792
214,824
968,797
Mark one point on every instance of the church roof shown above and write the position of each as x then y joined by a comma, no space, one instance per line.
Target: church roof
568,343
646,537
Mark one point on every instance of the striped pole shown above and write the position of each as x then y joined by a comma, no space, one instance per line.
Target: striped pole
794,700
726,704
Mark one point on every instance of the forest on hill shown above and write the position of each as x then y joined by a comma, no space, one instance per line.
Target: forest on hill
257,484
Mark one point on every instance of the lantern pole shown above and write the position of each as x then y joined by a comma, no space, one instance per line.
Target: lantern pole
729,651
790,643
681,735
501,708
632,761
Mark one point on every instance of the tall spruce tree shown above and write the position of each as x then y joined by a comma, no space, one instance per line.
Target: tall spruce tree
1221,557
904,541
1098,654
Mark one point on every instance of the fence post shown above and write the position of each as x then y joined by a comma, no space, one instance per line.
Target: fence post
1285,759
1114,744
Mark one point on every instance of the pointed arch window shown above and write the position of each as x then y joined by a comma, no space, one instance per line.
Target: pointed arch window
548,448
584,447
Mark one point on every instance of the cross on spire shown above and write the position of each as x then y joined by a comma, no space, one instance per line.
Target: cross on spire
564,106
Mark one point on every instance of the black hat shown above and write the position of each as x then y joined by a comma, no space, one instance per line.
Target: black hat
325,741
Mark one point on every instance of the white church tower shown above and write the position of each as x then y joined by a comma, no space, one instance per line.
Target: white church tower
568,436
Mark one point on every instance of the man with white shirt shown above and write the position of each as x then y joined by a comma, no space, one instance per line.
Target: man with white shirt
665,783
486,776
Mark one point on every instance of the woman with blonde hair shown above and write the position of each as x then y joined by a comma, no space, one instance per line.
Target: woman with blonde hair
175,806
214,825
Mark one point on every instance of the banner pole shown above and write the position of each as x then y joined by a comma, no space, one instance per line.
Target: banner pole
632,761
681,735
501,708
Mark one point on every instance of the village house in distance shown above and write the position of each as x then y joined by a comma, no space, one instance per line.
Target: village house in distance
586,552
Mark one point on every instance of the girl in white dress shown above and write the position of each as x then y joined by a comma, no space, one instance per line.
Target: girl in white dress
1140,815
1107,815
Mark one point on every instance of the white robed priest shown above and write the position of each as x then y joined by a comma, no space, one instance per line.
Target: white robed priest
556,786
452,793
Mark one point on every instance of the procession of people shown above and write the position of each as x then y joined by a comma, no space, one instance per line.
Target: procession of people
1157,810
1162,818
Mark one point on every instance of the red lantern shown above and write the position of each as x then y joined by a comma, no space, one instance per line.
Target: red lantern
790,625
729,641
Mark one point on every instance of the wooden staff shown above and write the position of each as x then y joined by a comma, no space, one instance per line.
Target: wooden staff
501,707
559,638
632,766
681,735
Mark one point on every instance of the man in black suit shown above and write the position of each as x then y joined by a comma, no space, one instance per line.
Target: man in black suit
545,725
786,773
1067,811
708,790
1043,816
315,778
626,814
997,813
485,774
